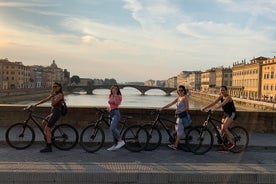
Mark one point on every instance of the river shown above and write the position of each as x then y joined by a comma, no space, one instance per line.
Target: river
131,98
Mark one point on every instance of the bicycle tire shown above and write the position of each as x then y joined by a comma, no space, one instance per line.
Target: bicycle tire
183,143
240,138
136,138
154,139
65,137
20,136
92,138
200,140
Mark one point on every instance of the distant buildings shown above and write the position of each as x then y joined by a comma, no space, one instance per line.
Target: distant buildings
253,80
14,75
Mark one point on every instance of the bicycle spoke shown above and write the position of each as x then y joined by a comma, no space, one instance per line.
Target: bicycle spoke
20,136
155,137
240,138
200,140
64,136
136,138
92,138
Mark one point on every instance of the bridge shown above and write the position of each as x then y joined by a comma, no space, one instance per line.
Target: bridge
142,89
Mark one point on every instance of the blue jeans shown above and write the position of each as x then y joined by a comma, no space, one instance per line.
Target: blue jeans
114,120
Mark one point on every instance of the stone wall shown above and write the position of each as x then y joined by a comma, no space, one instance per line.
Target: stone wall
80,116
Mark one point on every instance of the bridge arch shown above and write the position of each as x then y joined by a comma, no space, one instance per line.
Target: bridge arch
141,89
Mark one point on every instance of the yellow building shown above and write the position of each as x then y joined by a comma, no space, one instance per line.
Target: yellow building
247,78
268,85
208,80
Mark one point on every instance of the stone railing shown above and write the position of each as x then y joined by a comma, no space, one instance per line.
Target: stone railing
80,116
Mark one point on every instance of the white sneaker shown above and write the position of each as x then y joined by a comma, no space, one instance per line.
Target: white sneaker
120,144
111,148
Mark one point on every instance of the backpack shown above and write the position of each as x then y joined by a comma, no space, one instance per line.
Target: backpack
63,108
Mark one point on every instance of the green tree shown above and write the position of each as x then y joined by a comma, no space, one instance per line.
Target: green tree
75,79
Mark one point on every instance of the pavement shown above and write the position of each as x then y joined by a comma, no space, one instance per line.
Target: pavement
257,164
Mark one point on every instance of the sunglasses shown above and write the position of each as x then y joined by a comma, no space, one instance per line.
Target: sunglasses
55,86
181,90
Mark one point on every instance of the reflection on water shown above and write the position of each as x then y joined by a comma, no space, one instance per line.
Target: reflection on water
131,98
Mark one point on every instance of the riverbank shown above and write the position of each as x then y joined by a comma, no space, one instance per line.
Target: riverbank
38,95
241,104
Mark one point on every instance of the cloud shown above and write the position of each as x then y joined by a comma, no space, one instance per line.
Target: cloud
257,7
163,41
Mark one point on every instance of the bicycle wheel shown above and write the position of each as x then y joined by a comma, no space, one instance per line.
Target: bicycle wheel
183,143
136,138
240,138
154,139
20,136
64,137
200,140
92,138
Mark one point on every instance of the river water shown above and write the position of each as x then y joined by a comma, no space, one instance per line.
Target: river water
131,98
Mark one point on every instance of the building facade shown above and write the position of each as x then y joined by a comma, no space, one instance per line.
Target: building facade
268,84
208,80
14,75
223,77
247,78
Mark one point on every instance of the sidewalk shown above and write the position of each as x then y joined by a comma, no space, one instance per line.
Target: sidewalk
256,140
162,166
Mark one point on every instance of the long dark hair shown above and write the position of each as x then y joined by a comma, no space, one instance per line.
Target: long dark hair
224,87
60,87
115,86
183,88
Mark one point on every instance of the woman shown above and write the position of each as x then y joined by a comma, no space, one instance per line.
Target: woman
183,118
56,97
229,116
114,100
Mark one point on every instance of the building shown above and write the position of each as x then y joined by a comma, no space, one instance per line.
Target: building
247,78
182,78
268,78
223,77
14,75
149,82
36,77
208,80
171,82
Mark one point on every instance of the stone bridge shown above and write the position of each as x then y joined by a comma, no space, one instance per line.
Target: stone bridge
142,89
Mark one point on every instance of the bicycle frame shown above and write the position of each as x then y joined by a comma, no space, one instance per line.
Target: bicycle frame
104,118
160,120
32,116
211,120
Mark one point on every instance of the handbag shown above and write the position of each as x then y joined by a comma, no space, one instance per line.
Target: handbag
182,114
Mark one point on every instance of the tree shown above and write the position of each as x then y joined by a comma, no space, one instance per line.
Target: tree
75,79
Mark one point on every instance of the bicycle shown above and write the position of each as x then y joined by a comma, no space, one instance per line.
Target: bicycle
203,137
155,136
92,137
22,135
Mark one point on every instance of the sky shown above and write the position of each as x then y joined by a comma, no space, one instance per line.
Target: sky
136,40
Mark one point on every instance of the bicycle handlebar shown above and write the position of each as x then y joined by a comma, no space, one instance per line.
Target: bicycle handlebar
101,110
154,112
29,108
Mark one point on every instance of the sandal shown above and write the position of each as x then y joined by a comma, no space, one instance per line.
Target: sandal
172,146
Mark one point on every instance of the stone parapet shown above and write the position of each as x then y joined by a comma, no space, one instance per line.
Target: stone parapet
79,117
